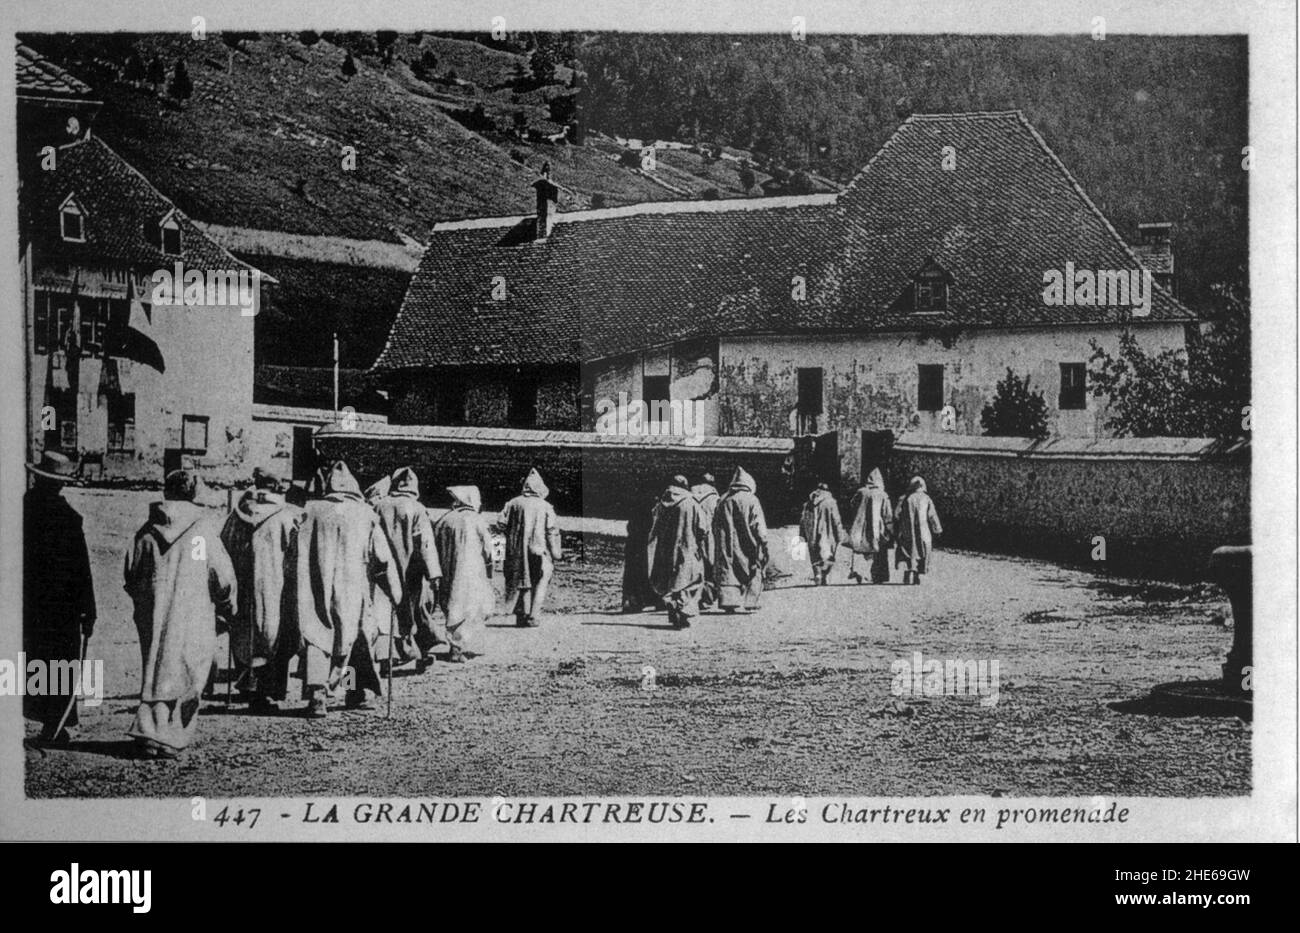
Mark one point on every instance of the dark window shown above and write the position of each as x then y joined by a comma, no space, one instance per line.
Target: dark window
451,403
194,434
304,455
41,323
931,295
808,406
523,404
171,238
655,389
1074,387
72,223
929,386
121,422
94,325
62,433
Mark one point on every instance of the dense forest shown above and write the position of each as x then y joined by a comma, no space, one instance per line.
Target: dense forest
1153,127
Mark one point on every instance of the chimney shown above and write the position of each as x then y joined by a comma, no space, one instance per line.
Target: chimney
547,193
1156,252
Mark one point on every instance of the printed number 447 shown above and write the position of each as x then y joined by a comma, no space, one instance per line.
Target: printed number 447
238,818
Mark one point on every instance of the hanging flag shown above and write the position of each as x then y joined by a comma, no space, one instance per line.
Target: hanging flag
137,344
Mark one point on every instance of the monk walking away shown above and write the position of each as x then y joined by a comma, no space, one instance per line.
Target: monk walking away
260,535
409,529
740,545
637,592
679,540
58,594
465,548
822,530
871,529
915,521
706,494
532,535
180,579
342,550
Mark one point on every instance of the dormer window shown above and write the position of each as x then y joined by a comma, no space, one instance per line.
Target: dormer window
72,221
169,230
931,285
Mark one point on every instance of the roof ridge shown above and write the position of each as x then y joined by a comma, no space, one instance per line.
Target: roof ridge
966,115
1083,195
651,208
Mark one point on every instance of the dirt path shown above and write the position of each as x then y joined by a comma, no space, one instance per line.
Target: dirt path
794,700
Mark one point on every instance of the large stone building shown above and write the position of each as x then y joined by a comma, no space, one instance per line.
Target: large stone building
122,382
895,305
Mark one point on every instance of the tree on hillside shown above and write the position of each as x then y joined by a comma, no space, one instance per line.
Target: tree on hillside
747,177
308,37
232,41
1015,410
157,75
180,87
385,38
349,66
543,66
135,71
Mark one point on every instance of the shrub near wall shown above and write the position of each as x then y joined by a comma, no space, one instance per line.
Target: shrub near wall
1158,506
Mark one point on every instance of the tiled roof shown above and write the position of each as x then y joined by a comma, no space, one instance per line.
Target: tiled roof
122,212
606,283
38,77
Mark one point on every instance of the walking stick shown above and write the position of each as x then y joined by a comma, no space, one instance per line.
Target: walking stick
72,700
392,621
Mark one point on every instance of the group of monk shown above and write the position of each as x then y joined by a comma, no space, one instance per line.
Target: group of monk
694,549
348,584
908,528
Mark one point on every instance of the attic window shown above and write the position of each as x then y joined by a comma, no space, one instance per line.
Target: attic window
930,287
72,221
170,234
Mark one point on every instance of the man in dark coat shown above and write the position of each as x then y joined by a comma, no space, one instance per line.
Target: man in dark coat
678,538
58,595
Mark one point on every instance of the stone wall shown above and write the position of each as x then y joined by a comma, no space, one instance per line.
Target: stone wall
1149,506
589,474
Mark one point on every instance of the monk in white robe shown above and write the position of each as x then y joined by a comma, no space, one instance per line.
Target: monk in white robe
871,528
260,537
822,531
740,545
915,522
706,494
465,549
678,540
409,529
342,549
532,534
179,578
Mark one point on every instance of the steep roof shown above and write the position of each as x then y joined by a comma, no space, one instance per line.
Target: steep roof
122,215
610,282
40,78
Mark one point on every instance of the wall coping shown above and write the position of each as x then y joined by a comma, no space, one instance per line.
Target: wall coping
320,416
519,437
1072,448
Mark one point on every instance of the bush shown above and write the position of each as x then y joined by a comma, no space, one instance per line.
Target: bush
349,66
181,87
1015,410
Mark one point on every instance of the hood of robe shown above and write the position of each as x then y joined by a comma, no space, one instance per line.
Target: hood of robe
742,480
819,495
169,519
916,485
702,491
533,485
377,490
340,484
257,505
875,480
673,495
405,483
465,497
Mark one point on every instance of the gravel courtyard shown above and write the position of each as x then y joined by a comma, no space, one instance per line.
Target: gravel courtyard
794,700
